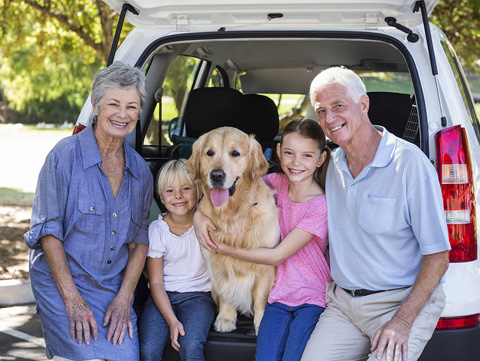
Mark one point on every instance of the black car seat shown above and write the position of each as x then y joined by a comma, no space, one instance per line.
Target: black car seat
207,109
396,112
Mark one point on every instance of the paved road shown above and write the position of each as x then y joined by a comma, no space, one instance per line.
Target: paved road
21,336
26,150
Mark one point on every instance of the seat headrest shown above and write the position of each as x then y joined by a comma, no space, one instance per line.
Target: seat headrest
262,116
390,110
211,108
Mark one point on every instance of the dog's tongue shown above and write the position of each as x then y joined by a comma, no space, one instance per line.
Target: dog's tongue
218,196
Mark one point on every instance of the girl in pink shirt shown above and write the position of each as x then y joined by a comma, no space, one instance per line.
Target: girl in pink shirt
298,296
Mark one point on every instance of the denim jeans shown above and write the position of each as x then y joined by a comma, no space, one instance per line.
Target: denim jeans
284,331
195,310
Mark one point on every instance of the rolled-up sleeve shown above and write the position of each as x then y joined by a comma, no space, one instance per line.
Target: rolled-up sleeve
49,203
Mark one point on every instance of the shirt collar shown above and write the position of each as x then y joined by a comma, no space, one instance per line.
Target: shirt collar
386,148
91,154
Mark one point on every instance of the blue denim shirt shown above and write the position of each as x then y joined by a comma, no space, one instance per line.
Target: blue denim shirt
74,202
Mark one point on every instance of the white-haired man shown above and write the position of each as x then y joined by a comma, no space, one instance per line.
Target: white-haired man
387,232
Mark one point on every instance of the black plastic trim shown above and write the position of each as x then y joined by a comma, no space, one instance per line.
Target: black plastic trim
453,345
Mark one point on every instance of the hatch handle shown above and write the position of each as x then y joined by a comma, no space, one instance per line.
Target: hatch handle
125,7
411,37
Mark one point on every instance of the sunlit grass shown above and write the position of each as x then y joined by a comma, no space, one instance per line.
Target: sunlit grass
15,197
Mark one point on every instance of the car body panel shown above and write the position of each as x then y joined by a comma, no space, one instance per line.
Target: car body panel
229,14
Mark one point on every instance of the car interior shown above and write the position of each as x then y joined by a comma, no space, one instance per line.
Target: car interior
258,85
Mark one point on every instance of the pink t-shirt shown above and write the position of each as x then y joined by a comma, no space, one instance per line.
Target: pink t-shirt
302,278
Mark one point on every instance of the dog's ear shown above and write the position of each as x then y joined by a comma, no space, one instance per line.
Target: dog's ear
259,163
192,165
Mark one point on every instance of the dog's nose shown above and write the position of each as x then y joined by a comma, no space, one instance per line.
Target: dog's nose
217,176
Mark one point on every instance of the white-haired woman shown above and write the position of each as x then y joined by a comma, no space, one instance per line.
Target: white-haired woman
88,232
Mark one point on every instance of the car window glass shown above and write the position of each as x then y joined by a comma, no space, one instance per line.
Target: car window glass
462,86
176,87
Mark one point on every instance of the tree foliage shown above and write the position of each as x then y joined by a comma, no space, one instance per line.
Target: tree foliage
50,50
460,21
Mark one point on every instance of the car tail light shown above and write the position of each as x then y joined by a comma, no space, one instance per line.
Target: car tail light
458,323
455,175
78,128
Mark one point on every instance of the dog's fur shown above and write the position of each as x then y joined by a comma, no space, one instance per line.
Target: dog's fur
248,219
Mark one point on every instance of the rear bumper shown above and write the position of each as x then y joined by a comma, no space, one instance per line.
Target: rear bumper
458,345
239,345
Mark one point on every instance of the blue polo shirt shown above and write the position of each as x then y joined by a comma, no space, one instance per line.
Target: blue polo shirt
383,221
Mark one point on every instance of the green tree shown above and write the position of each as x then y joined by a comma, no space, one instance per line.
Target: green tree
49,51
460,21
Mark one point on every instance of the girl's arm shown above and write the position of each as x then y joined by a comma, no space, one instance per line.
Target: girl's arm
160,297
291,244
201,224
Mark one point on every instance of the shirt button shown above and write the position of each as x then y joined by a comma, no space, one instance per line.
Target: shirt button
112,248
92,208
109,261
114,215
114,233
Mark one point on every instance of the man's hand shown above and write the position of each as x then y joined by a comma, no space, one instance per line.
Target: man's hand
394,337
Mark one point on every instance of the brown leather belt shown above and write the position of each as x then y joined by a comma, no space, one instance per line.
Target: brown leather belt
361,292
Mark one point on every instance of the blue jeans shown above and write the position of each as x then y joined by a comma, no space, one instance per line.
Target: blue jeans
284,331
195,310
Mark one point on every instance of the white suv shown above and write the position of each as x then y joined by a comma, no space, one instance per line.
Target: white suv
249,64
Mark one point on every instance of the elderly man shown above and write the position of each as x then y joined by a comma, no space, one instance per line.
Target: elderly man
387,232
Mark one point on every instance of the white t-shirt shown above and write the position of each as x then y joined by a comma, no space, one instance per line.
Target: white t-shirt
184,269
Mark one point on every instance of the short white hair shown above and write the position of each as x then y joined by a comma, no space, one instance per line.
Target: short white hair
118,76
342,76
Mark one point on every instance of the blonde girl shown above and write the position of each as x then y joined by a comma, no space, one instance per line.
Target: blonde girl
180,308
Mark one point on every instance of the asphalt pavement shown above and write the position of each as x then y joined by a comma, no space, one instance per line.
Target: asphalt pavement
21,337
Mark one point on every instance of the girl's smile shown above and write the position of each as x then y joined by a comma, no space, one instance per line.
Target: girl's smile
299,157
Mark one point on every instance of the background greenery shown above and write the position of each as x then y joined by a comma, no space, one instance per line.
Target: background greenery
50,50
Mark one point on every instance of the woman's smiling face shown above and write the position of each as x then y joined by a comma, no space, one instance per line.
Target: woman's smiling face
118,112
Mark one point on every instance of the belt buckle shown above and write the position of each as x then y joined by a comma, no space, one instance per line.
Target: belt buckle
353,293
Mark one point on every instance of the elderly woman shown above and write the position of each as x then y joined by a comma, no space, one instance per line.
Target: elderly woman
88,232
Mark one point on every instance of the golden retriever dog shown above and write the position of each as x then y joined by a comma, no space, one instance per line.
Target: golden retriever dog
230,165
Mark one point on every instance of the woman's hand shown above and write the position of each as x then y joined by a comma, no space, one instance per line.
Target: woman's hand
176,329
201,225
119,316
118,313
82,321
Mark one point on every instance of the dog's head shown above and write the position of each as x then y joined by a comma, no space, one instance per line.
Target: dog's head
224,159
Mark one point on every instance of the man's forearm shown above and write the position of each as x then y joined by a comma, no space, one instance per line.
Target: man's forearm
433,268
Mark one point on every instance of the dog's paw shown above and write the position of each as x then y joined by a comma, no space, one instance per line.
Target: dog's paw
225,325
